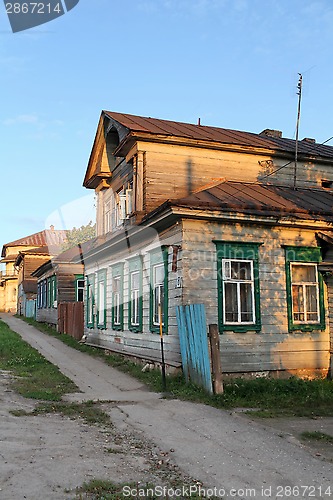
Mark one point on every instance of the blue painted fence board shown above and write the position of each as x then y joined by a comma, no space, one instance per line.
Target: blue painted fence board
193,340
30,308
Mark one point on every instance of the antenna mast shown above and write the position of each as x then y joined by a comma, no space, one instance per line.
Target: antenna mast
299,93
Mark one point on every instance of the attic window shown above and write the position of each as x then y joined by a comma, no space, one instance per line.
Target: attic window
327,184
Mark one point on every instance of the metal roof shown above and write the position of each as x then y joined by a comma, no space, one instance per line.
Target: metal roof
47,237
261,198
155,126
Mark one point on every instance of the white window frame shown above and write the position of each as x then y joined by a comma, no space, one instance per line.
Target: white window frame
304,285
79,288
226,278
116,300
123,205
107,216
90,295
157,294
101,303
135,299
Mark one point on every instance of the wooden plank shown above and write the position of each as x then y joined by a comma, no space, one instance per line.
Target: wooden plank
216,358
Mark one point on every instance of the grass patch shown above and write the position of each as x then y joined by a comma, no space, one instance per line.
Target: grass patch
89,411
36,378
107,490
317,436
98,489
272,397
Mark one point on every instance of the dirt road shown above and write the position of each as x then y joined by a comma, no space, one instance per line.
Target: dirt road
45,455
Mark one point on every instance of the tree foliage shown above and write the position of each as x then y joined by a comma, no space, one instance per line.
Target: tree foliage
79,235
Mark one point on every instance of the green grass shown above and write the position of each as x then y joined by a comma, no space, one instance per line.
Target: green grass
269,397
89,411
317,436
35,377
98,489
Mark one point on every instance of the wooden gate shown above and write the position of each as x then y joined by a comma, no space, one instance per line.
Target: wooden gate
193,339
70,319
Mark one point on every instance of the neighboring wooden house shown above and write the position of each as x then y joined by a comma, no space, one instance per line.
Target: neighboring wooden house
196,214
49,240
59,280
60,287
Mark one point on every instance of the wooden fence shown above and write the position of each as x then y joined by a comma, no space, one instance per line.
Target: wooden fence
70,319
193,339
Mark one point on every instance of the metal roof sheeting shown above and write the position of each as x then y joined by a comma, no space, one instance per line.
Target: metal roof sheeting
261,198
191,131
47,237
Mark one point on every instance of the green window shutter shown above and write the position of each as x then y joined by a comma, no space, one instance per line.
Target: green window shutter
242,252
101,299
158,263
294,254
117,284
90,301
135,302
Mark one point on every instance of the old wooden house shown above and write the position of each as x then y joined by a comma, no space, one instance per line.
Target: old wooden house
195,214
20,258
60,290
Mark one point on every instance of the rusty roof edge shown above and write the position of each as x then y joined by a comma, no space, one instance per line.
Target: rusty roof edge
281,145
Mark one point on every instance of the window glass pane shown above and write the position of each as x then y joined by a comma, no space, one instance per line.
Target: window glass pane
231,302
135,280
116,304
90,304
135,308
298,302
240,270
158,304
158,274
101,302
116,288
246,302
302,273
311,298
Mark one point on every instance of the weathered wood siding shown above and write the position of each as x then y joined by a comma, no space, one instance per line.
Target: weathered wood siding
47,315
172,171
65,282
273,348
145,345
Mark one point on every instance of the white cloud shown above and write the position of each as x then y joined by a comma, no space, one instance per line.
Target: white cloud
27,119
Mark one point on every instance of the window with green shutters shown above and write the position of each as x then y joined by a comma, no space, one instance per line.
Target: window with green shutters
90,301
159,290
101,299
135,295
118,297
238,286
51,291
305,290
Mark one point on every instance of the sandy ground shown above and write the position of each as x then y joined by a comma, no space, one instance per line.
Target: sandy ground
49,456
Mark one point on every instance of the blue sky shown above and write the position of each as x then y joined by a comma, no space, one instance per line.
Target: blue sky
233,63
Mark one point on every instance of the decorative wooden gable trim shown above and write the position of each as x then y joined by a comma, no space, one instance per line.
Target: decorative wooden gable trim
103,158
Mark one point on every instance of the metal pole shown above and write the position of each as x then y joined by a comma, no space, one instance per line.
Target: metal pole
162,345
299,87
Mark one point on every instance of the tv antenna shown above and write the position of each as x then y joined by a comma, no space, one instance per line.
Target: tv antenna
299,93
